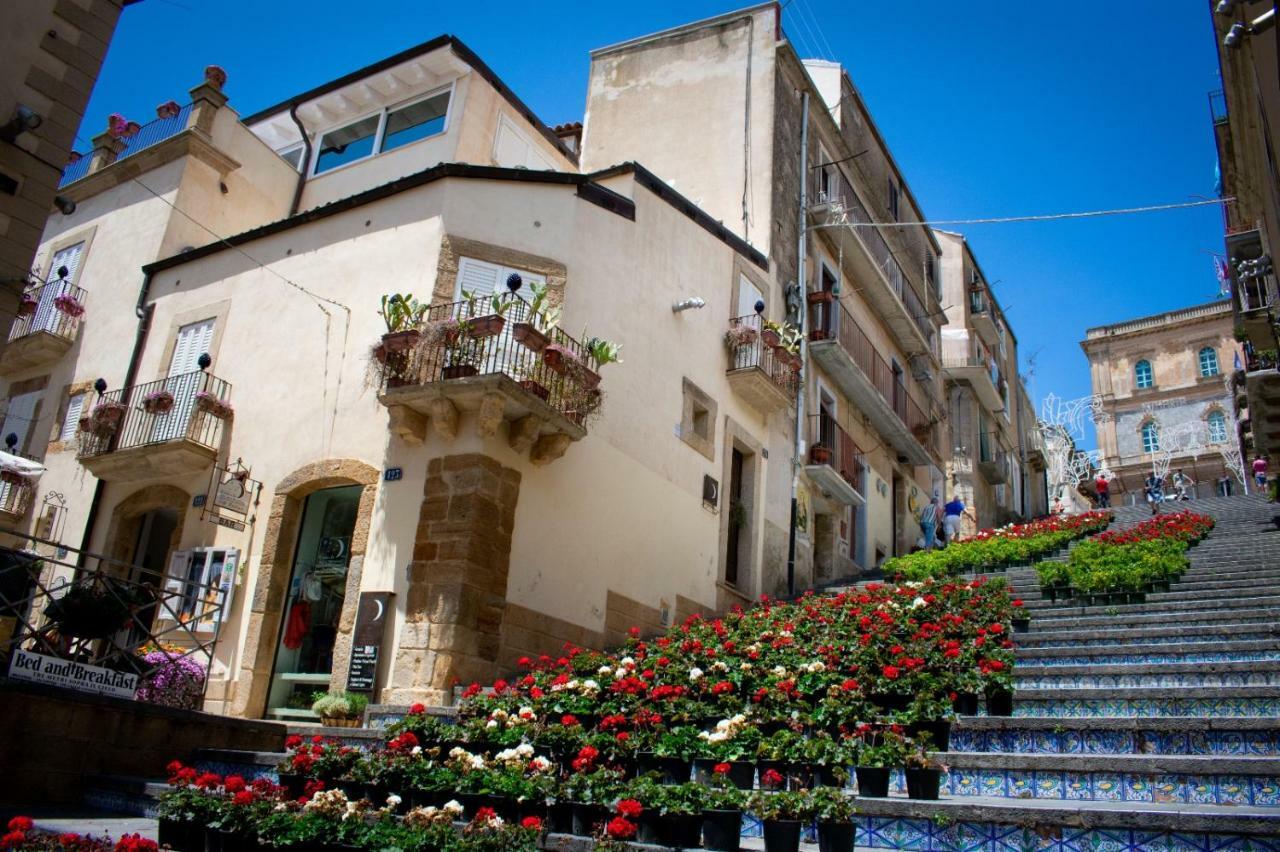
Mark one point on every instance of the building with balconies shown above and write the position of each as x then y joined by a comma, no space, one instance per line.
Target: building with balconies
987,466
1245,115
1162,384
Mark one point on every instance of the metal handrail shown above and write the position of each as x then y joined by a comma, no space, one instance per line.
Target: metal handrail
845,456
455,342
53,311
186,407
152,133
977,354
755,354
833,320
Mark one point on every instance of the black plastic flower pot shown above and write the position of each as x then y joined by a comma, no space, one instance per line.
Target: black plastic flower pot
180,834
685,831
587,817
938,732
212,840
722,830
890,702
1021,625
799,776
782,835
652,828
235,841
673,770
923,783
999,702
835,837
741,773
831,776
502,806
294,784
778,766
532,808
560,818
873,781
966,703
472,802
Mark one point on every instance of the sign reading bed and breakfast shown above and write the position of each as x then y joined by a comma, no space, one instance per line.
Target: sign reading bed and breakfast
69,674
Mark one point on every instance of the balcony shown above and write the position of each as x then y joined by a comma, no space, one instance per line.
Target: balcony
975,366
507,368
1262,384
149,134
983,319
993,460
837,212
46,326
15,497
844,351
835,463
167,428
1035,447
757,372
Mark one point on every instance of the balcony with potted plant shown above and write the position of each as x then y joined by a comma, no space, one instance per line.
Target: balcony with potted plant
502,357
763,360
17,483
834,462
170,427
46,325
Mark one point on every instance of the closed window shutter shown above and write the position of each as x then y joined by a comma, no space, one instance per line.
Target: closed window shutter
20,417
68,257
71,421
477,277
193,341
513,150
46,318
748,295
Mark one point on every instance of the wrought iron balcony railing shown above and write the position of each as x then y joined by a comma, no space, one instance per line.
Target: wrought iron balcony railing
187,407
829,444
151,133
754,352
457,340
56,308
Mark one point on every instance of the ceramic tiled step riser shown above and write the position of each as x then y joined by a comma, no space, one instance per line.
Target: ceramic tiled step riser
1246,634
1226,743
1090,707
1052,681
1257,791
876,832
1158,653
1043,624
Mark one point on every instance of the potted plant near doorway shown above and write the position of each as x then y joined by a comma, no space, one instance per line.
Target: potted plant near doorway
340,709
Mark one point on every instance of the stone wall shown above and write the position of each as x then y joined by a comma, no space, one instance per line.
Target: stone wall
55,740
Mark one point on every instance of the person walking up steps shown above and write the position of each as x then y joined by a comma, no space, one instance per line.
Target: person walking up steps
1260,473
1103,486
952,513
1155,491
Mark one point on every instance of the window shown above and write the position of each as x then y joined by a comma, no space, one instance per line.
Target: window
513,150
71,420
347,144
415,121
893,199
1217,427
1150,437
199,587
20,418
60,281
292,155
482,279
748,295
1143,375
698,420
68,258
1208,362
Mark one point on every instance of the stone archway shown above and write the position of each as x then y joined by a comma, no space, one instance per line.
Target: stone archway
127,516
267,606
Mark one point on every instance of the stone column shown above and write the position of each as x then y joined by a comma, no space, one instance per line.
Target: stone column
105,150
206,100
457,583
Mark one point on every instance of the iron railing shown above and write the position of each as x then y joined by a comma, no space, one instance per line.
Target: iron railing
977,303
975,354
840,194
1259,359
56,308
1218,107
186,407
832,320
753,353
91,610
151,133
829,444
462,339
15,494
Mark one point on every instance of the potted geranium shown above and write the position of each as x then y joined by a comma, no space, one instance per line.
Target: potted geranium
783,814
830,758
732,743
69,305
722,815
214,405
924,775
777,754
834,811
740,335
168,109
672,814
671,754
27,306
883,749
590,793
158,402
340,709
105,418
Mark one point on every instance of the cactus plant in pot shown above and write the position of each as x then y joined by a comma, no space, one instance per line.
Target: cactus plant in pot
402,314
533,331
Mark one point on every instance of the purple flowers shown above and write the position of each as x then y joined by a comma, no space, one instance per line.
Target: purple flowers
176,681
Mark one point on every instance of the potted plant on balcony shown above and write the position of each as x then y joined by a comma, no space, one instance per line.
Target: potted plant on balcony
96,608
158,402
27,306
740,335
214,405
105,418
532,334
402,313
463,355
821,297
69,305
527,378
771,334
819,454
487,325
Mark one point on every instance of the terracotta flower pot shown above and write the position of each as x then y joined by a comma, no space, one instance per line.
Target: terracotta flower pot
529,337
771,338
401,341
819,454
821,297
535,388
459,371
489,325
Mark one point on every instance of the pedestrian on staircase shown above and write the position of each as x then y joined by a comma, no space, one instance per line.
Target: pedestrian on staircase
953,512
929,524
1103,486
1260,472
1155,491
1182,482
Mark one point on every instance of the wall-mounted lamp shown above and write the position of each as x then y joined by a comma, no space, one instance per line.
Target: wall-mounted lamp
686,304
65,205
24,119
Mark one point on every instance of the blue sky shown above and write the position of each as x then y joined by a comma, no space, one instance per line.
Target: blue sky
991,109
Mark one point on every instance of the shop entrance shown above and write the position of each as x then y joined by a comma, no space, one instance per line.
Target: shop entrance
317,588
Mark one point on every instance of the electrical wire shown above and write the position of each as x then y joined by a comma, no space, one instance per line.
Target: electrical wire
1042,217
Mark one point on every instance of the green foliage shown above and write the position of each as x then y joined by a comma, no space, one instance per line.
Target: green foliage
401,312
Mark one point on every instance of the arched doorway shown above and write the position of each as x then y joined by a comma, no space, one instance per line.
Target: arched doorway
144,533
284,547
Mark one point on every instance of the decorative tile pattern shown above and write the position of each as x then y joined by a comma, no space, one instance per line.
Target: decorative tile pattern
889,833
1260,791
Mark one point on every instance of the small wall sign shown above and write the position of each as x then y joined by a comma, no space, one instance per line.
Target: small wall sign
393,474
371,618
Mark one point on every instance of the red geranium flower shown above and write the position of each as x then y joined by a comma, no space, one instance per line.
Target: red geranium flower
620,828
531,822
417,709
21,823
721,769
630,808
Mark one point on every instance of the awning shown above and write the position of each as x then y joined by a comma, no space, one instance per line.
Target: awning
9,463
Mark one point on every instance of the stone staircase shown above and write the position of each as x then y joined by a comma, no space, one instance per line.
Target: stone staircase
1145,726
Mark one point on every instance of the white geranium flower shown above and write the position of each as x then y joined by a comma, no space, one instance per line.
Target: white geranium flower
918,602
453,806
603,670
695,673
415,751
491,724
780,671
393,801
619,673
627,661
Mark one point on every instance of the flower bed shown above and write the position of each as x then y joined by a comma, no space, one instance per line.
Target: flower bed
663,737
1121,567
23,835
999,549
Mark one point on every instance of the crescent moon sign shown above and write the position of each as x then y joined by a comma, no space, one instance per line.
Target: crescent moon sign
378,616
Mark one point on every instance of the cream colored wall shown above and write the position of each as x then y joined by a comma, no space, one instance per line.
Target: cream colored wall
628,495
677,105
479,127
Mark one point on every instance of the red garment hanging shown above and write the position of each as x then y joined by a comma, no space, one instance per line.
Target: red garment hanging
299,623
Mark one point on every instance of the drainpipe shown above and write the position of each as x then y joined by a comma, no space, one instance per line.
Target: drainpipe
304,164
804,349
143,311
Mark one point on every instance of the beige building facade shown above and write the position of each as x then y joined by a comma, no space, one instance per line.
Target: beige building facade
1164,402
227,406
